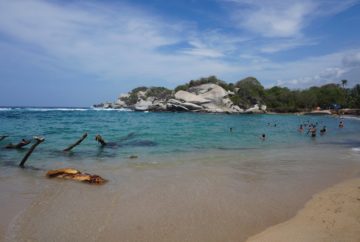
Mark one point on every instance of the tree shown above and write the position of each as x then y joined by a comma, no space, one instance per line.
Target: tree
249,92
343,83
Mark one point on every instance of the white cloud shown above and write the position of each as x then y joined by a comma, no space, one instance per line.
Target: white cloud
279,18
285,44
352,60
121,43
321,70
117,43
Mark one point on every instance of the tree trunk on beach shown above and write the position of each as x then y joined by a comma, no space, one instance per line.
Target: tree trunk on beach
100,139
19,145
3,137
38,141
77,142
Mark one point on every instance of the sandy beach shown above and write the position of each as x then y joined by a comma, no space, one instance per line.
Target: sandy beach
331,215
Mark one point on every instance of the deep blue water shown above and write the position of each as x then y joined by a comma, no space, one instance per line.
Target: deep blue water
149,134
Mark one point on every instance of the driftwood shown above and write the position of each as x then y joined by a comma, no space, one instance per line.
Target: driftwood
77,142
19,145
3,137
38,141
100,139
73,174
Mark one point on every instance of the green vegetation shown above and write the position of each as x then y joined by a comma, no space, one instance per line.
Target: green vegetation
205,80
160,93
249,91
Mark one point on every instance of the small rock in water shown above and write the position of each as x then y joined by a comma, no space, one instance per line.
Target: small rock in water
133,157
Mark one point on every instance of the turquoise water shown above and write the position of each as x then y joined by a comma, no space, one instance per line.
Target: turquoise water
193,180
157,134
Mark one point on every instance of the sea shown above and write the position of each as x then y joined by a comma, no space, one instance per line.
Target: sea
171,176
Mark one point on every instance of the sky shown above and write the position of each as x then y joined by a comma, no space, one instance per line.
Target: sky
78,52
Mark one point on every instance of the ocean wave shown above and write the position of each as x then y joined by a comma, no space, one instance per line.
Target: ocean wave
112,109
53,109
356,149
64,109
43,109
351,117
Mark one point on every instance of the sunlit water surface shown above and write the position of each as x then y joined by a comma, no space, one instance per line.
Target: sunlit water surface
193,180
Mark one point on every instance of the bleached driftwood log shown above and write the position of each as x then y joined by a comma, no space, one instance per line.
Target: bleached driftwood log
76,143
38,140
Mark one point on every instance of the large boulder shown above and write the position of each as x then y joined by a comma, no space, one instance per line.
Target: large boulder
108,105
213,108
190,106
254,109
142,105
203,88
190,97
176,107
214,93
158,106
119,104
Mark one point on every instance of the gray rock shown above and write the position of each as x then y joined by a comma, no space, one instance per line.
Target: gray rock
254,109
142,105
190,97
176,107
190,106
158,106
215,93
201,89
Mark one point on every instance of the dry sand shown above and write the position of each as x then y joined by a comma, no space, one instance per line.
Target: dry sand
331,215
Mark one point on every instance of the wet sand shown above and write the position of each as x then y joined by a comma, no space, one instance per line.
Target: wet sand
222,196
331,215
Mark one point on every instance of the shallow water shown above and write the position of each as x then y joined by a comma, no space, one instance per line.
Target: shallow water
193,180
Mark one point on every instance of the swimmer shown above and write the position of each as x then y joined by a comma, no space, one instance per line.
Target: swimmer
323,130
231,129
301,128
263,137
312,130
341,124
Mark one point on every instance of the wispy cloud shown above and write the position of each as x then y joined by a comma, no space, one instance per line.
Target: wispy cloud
122,42
322,69
273,46
278,18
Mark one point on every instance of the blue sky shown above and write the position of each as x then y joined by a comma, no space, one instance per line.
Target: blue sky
77,53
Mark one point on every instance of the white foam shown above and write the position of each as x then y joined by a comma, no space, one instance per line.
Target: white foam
351,117
5,109
356,149
113,109
53,109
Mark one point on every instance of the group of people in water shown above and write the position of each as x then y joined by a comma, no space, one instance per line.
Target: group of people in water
311,129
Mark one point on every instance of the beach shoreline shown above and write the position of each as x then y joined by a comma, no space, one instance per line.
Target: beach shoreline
331,215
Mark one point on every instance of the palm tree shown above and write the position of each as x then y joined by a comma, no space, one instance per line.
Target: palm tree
343,83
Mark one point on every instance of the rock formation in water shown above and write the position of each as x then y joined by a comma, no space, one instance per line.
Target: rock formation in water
205,95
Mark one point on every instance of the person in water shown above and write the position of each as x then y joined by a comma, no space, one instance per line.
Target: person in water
301,128
312,131
263,137
231,129
341,124
323,130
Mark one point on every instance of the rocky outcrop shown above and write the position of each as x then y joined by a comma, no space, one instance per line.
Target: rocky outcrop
209,97
143,105
190,97
256,109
